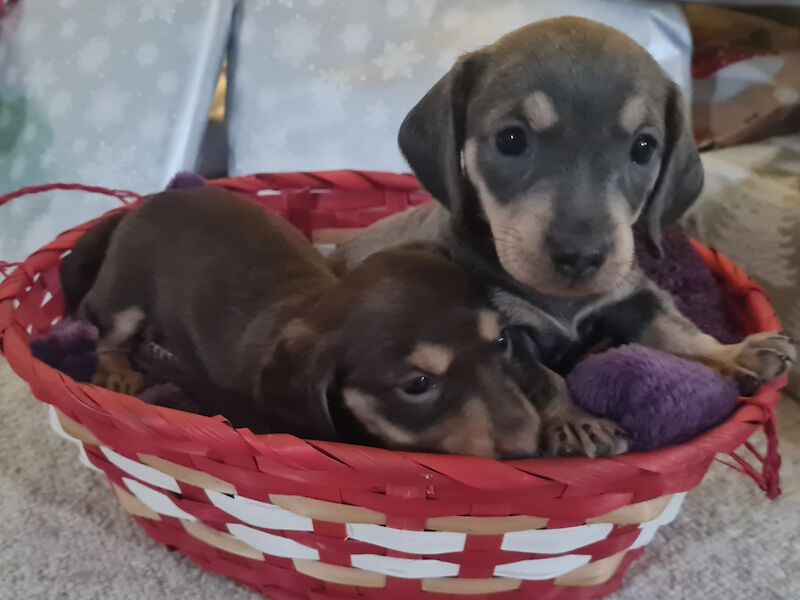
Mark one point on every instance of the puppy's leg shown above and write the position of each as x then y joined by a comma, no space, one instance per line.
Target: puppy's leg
114,368
757,359
566,430
428,224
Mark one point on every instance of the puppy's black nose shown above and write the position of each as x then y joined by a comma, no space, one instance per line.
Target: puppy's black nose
578,263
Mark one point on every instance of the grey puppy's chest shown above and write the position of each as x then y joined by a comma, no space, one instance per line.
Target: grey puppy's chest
562,329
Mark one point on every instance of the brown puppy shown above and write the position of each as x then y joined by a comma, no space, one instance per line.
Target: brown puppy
543,149
404,351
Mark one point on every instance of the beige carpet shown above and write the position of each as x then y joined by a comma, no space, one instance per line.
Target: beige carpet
62,536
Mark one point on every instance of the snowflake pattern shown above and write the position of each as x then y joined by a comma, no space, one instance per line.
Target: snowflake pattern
30,31
297,40
163,10
355,37
112,163
154,126
48,158
267,99
398,60
168,82
107,105
40,77
274,143
94,54
190,34
18,166
329,91
79,146
248,34
426,9
58,104
377,115
147,54
447,58
13,76
68,29
455,18
114,15
396,8
29,132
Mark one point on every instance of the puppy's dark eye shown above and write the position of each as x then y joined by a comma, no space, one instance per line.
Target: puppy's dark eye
419,388
504,341
511,141
416,386
643,149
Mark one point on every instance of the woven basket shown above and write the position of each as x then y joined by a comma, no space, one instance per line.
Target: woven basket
295,519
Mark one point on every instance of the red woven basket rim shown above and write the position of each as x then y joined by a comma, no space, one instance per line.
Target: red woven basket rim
725,438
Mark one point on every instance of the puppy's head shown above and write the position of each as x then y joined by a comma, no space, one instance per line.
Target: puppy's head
409,356
552,142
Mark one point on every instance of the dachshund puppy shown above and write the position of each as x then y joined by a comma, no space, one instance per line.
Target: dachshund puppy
543,149
405,351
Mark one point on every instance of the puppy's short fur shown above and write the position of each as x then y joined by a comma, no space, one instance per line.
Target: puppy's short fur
543,149
404,351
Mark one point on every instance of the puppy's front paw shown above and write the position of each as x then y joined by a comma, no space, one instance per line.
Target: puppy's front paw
759,358
125,381
577,433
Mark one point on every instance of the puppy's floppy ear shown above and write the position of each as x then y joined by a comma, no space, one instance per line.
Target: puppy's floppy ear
681,177
431,136
300,378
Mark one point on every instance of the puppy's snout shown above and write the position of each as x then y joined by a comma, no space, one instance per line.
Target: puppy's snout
578,262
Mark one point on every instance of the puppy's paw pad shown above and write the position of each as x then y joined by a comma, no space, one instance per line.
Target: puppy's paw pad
585,435
125,382
760,358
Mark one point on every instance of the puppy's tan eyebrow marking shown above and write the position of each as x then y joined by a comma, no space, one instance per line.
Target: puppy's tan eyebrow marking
488,325
539,109
365,407
431,358
633,113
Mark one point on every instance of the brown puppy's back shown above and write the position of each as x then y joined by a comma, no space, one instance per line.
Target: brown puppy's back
202,287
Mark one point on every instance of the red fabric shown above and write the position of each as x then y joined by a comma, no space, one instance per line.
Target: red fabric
408,488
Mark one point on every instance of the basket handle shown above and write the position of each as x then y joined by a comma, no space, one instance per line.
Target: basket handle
123,196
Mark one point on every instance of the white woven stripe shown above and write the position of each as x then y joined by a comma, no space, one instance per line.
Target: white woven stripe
325,249
260,514
542,568
648,529
55,425
84,459
156,501
411,542
272,544
405,568
140,471
266,515
555,541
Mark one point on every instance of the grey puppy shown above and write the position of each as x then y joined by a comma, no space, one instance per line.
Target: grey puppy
543,150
